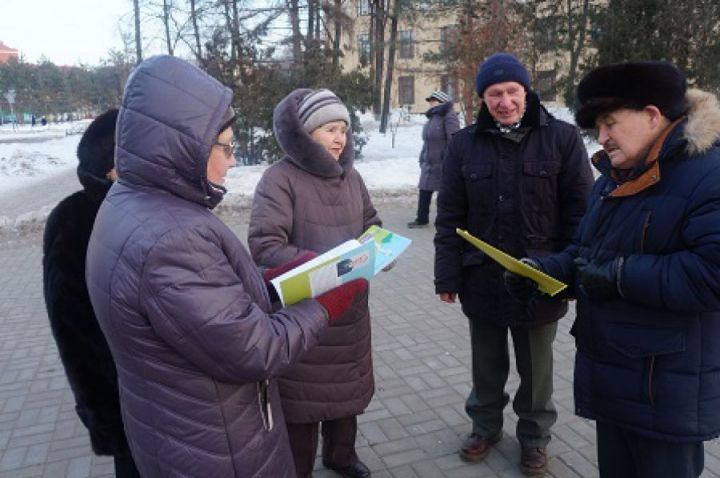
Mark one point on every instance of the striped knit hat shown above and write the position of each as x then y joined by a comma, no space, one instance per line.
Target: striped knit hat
441,96
319,107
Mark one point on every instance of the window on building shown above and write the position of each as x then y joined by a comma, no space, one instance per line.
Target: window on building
449,86
448,37
406,44
363,7
406,90
364,48
544,85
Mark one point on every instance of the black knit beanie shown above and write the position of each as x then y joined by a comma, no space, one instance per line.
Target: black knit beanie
499,68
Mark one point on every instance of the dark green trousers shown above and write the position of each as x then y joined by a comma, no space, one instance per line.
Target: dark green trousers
490,368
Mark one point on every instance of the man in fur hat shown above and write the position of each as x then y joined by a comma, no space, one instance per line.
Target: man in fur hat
83,350
645,269
518,178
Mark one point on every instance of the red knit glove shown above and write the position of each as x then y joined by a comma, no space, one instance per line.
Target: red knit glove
338,300
273,272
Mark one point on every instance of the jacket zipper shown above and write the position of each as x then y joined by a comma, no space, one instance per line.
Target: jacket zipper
651,370
646,225
265,405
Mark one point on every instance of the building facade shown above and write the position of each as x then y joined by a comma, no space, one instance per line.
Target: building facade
414,77
6,53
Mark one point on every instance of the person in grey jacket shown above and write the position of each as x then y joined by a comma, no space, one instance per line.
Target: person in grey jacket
313,200
185,311
442,124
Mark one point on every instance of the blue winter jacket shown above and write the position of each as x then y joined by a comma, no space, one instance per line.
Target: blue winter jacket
650,361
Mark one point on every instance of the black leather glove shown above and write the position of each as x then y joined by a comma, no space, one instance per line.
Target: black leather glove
521,288
600,281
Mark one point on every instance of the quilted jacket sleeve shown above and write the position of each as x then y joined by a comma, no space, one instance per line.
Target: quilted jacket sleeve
370,215
688,279
271,220
199,304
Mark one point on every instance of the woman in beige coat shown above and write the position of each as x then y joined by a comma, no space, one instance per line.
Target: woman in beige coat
313,200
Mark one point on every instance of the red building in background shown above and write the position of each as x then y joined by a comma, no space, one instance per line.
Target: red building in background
6,53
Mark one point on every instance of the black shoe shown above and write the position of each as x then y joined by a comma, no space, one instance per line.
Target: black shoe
356,470
416,224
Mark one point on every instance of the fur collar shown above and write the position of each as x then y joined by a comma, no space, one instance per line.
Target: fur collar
300,148
702,130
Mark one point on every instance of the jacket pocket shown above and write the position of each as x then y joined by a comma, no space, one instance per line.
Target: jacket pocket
637,342
475,172
643,346
480,189
473,258
541,169
539,190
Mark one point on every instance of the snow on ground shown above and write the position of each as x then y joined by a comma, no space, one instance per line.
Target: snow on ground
23,164
389,163
21,132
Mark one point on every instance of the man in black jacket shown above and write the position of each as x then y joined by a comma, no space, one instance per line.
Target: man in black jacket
518,179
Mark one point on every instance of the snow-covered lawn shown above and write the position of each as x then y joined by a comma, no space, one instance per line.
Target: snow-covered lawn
389,163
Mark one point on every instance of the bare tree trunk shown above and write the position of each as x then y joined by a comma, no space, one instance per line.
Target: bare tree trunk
338,32
236,26
318,11
294,12
577,43
390,67
166,24
371,40
138,38
311,23
196,32
379,54
230,26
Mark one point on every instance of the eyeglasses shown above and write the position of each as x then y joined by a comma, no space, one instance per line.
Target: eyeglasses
228,149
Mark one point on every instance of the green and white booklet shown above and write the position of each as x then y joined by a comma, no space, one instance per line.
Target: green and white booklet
354,259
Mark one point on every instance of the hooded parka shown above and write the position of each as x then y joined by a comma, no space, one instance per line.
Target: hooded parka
309,202
185,310
649,361
523,192
441,125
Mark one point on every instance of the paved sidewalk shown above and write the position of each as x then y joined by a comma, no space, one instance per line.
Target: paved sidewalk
412,428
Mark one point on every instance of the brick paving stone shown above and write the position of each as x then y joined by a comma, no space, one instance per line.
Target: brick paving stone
413,427
405,471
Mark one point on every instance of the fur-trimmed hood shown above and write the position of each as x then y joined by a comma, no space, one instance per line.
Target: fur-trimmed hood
702,130
300,148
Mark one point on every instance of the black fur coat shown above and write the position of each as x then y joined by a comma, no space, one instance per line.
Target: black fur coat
83,350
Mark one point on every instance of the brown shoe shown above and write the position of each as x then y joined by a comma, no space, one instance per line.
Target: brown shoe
476,447
533,461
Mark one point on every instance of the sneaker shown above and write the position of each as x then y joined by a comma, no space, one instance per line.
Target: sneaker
416,224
